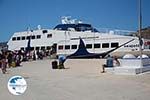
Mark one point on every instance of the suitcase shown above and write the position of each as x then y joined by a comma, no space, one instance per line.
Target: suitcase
54,65
13,64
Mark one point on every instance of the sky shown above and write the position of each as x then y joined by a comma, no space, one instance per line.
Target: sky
18,15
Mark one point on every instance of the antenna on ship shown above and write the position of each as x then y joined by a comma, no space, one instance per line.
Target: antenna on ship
39,27
139,32
28,29
68,20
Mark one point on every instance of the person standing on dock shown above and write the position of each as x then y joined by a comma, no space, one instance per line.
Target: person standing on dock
3,62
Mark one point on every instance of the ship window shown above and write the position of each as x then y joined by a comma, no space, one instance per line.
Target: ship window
49,35
18,38
97,45
32,48
114,45
105,45
22,48
33,37
88,46
28,37
74,47
67,46
38,36
60,47
37,48
45,31
23,38
48,48
42,48
14,38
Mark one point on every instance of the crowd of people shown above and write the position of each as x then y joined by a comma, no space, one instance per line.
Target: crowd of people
10,59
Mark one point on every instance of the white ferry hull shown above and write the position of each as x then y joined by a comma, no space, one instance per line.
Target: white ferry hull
66,40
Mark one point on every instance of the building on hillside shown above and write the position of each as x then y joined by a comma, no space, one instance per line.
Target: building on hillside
145,33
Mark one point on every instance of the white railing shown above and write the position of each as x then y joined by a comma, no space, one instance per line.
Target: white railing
115,31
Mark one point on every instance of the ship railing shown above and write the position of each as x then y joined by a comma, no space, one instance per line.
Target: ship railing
116,31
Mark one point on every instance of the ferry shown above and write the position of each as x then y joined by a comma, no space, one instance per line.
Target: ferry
64,39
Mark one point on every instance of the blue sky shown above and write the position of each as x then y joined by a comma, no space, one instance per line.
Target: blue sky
17,15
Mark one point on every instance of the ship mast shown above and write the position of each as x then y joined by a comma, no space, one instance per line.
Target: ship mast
139,32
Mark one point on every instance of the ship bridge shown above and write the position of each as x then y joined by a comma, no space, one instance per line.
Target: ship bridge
76,27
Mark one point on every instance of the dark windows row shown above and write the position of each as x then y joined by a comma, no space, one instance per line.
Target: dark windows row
89,46
104,45
67,47
111,45
38,48
26,37
32,37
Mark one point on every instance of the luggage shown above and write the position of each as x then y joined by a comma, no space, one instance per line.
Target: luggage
54,65
13,64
